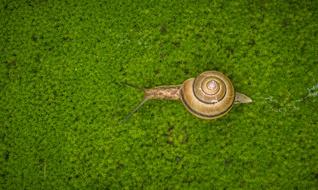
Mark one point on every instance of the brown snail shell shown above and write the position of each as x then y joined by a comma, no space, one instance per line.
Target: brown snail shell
208,96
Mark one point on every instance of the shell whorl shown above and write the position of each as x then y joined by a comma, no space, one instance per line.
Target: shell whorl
208,96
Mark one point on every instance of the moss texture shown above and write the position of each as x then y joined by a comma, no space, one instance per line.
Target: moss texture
61,99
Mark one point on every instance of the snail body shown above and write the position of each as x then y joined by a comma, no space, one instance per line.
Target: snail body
208,96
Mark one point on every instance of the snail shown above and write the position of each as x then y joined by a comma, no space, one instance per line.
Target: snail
208,96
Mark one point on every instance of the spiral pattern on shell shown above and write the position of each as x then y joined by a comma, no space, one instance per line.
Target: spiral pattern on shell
208,96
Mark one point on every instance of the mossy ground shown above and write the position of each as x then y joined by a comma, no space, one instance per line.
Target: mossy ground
62,63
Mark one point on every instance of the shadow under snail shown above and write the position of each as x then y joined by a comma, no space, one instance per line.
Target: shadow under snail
208,96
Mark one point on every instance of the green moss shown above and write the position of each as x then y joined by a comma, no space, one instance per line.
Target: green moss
61,99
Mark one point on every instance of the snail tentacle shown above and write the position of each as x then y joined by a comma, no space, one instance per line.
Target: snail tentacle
134,110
